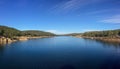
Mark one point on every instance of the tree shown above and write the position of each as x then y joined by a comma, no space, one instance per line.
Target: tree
8,31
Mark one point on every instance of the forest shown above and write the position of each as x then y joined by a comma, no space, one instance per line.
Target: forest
10,32
107,33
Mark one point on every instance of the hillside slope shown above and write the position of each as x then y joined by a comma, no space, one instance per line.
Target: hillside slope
10,32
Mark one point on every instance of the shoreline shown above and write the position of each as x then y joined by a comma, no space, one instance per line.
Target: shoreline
4,40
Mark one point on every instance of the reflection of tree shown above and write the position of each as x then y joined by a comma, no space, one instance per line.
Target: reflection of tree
1,50
108,44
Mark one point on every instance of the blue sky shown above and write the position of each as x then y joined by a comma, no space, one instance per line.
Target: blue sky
61,16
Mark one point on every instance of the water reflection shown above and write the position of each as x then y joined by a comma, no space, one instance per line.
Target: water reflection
1,48
4,43
68,67
111,63
105,43
109,44
1,51
60,53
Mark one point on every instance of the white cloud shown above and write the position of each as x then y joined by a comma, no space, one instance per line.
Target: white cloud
114,19
52,31
56,31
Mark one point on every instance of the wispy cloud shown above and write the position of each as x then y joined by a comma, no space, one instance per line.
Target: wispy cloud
72,5
114,19
104,11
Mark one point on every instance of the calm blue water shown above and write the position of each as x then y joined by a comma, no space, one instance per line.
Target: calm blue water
60,53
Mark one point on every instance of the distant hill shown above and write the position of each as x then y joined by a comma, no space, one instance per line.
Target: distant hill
36,33
11,32
106,33
73,34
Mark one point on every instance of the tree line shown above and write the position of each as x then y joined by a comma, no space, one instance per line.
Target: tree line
12,32
107,33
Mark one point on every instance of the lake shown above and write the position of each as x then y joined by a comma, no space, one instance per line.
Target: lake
61,52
